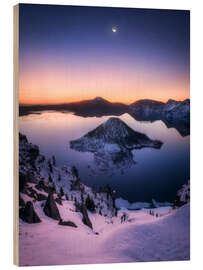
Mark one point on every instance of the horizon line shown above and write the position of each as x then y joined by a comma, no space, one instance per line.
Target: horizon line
77,101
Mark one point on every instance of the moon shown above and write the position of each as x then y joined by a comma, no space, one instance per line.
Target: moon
114,29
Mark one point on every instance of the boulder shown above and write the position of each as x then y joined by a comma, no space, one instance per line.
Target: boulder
28,213
67,223
50,209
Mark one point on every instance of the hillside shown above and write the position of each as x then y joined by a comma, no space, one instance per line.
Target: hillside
62,221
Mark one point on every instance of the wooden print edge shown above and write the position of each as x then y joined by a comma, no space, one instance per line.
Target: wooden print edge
15,135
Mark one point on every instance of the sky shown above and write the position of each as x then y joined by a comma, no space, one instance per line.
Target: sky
69,53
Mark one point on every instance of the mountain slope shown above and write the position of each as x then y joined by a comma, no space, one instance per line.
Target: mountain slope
171,110
38,176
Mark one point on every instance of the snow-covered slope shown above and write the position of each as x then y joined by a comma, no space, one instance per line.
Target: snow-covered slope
142,237
164,240
89,230
63,181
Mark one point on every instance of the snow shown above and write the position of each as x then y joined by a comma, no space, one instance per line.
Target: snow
142,237
146,234
124,204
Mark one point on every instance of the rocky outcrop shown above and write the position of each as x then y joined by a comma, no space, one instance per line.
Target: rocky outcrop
83,210
50,209
35,185
183,195
85,219
28,213
67,223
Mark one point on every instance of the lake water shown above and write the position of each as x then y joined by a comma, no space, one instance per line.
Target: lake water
157,173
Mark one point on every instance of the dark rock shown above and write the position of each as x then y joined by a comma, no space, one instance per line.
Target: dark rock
89,203
28,214
67,223
58,200
22,182
77,207
42,186
21,202
85,218
50,208
41,197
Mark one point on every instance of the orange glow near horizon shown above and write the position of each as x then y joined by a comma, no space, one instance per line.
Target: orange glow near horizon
46,85
49,86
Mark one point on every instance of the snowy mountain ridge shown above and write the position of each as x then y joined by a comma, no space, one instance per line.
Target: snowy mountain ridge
172,109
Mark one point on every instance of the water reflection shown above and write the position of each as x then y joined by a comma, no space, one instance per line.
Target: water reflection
157,174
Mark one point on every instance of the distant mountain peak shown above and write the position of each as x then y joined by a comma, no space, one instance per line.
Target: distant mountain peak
147,102
99,99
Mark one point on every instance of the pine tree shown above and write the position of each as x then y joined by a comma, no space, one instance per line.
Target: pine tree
50,179
50,166
54,188
90,204
61,192
75,171
54,160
